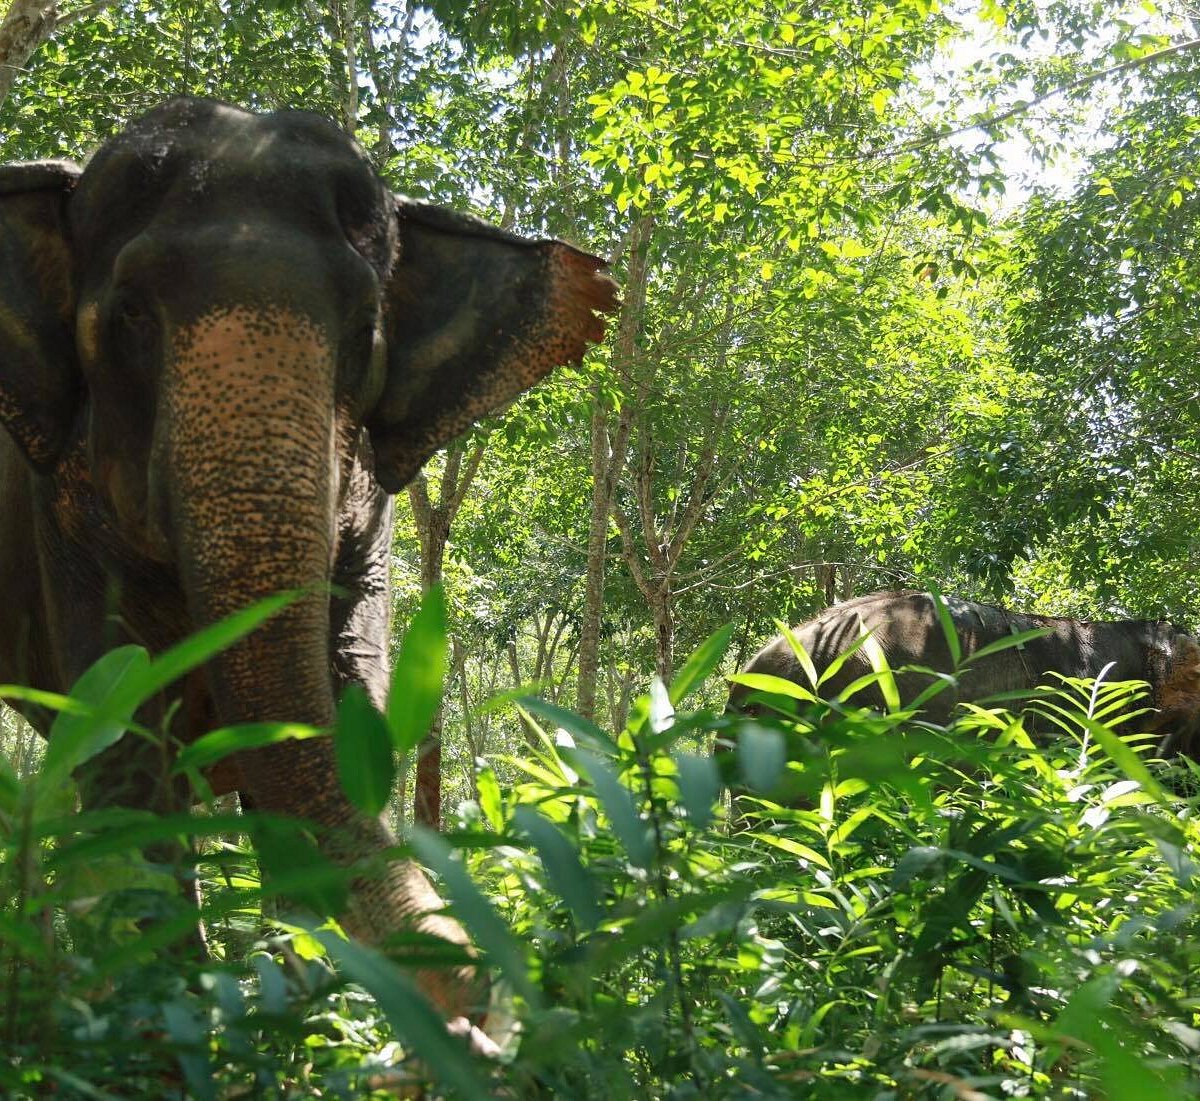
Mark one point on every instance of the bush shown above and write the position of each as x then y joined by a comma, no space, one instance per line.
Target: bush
903,910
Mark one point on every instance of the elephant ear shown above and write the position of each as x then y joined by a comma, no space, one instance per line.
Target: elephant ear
475,316
38,377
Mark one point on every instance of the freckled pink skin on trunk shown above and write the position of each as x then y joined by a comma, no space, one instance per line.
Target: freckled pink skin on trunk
249,438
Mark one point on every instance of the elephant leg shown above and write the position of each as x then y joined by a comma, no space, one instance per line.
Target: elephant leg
388,897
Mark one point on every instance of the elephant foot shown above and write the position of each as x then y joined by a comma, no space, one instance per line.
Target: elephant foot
402,910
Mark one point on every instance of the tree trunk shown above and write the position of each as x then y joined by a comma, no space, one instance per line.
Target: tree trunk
609,449
827,577
427,795
27,24
664,633
433,520
593,592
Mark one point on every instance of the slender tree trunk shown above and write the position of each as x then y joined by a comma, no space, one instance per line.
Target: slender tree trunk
651,548
514,663
427,795
593,591
345,18
609,450
475,730
827,573
662,613
619,690
433,520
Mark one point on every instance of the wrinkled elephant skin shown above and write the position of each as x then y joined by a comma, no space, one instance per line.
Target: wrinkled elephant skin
223,344
909,632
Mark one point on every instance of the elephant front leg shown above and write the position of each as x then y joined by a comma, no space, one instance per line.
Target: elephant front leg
387,898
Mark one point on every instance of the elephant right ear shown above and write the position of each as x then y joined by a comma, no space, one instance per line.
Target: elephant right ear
475,316
39,380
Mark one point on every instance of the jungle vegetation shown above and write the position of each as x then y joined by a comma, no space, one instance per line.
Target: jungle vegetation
910,298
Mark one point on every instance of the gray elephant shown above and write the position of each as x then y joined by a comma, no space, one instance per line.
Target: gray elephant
223,344
909,632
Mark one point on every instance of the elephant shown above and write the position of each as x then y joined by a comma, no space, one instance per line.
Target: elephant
905,623
224,344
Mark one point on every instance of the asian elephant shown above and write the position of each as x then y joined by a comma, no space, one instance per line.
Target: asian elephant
906,626
223,344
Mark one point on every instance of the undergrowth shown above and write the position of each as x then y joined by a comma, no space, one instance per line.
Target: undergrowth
883,908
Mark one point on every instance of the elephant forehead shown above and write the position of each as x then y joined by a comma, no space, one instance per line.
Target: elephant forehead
196,162
266,348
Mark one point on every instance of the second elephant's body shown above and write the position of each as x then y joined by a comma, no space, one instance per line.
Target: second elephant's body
909,632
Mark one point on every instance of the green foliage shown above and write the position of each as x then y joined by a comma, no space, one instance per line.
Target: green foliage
365,754
892,369
936,911
897,907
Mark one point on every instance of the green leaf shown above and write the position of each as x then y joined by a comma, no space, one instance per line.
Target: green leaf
491,800
703,660
699,782
53,701
617,801
190,1038
586,731
775,686
564,870
1123,757
206,643
117,830
24,936
761,755
1088,1016
947,624
653,923
272,982
886,679
220,743
1008,642
413,1019
293,866
473,909
836,664
802,656
122,680
77,737
366,761
416,692
10,789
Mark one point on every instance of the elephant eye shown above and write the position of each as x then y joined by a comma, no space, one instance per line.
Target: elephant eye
362,363
359,349
136,329
132,315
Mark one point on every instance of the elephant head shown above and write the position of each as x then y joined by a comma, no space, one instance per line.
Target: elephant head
217,334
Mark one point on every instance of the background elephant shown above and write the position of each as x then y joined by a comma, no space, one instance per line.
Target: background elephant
906,626
223,344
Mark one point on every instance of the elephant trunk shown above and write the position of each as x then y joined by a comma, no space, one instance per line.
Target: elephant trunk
246,438
250,439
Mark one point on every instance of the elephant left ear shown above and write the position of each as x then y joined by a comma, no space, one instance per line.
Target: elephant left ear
475,316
